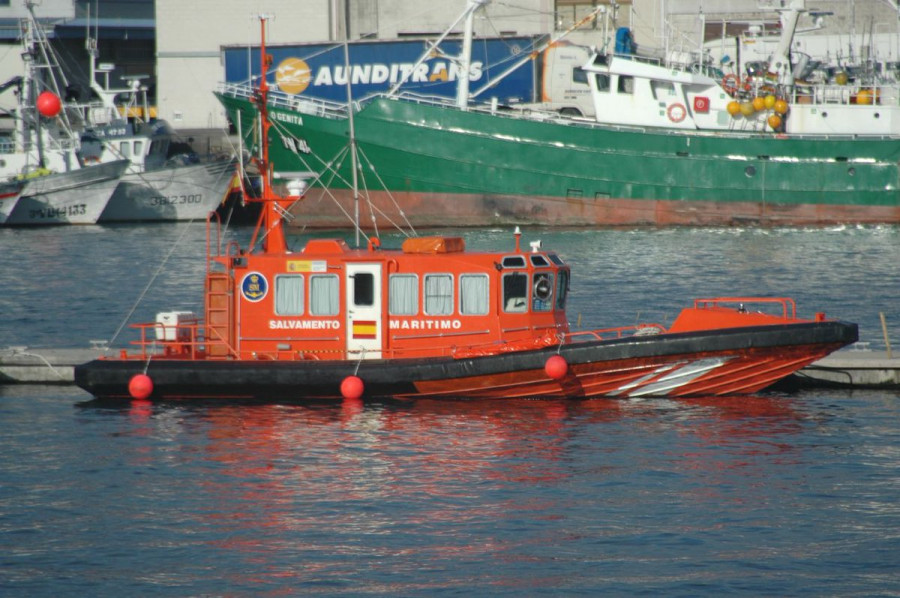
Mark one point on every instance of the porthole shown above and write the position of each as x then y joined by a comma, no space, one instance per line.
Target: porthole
750,170
851,171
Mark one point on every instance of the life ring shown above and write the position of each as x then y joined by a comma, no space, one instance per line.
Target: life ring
676,112
730,83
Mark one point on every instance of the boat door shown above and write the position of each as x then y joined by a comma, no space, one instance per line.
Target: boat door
364,311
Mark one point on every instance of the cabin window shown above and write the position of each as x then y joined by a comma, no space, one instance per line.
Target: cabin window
626,84
602,82
579,76
403,295
323,295
555,259
474,294
515,292
662,90
514,261
438,294
542,291
562,287
157,147
289,294
538,260
363,289
125,149
138,148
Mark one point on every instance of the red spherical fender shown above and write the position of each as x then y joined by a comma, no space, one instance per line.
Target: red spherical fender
556,367
140,387
49,104
352,387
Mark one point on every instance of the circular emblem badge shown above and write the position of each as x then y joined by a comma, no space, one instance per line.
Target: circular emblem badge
254,287
292,75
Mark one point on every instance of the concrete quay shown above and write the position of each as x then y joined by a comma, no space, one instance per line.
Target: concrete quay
846,368
24,365
852,369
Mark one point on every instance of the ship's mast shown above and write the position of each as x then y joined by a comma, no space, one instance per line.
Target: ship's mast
780,62
270,222
462,84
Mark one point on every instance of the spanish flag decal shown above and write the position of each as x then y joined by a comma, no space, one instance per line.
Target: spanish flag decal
364,329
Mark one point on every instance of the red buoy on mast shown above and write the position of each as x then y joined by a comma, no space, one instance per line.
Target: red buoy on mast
48,104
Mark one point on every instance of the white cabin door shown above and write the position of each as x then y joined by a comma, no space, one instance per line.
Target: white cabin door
364,325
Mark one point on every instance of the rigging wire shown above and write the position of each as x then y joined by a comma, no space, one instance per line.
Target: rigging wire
153,278
333,167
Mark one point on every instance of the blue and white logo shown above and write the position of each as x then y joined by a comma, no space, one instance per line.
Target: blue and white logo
254,287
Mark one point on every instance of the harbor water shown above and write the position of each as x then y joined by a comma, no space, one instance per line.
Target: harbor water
778,494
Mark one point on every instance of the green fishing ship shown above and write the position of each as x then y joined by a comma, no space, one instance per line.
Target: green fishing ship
431,162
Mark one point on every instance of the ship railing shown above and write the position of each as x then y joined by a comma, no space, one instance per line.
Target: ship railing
846,95
605,334
8,146
216,245
787,305
184,340
187,339
336,110
284,101
517,110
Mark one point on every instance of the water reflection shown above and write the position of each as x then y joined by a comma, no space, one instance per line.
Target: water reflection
271,458
513,441
409,498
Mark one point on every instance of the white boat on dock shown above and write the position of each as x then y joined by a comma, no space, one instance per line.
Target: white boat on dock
72,197
169,193
165,180
100,161
48,181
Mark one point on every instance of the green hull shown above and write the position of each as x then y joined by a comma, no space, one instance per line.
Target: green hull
447,167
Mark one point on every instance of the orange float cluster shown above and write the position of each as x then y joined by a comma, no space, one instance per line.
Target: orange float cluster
748,108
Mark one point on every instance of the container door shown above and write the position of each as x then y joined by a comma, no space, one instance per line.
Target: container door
364,311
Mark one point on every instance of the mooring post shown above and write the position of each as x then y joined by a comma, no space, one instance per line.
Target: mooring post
887,340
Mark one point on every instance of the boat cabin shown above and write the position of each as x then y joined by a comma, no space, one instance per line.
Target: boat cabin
147,145
632,90
430,297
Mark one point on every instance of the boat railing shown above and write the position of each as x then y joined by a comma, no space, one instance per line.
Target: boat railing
846,95
605,334
328,109
690,62
51,143
529,111
285,101
788,307
185,340
213,236
549,116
